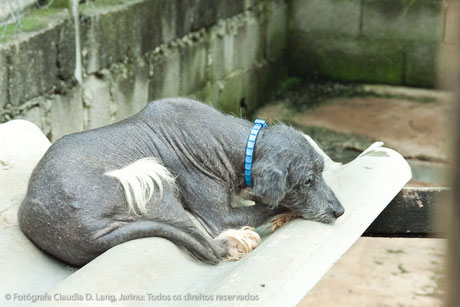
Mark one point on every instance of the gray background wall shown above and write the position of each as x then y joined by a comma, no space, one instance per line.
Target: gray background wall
230,53
134,51
379,41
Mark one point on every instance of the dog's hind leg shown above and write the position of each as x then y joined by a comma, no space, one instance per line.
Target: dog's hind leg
162,215
201,247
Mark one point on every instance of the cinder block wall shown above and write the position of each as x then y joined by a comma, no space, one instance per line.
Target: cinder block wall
229,53
225,52
375,41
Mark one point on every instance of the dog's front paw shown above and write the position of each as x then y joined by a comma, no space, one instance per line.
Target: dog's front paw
239,242
281,219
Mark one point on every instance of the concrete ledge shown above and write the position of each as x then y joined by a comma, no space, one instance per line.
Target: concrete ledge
25,269
154,270
38,58
136,51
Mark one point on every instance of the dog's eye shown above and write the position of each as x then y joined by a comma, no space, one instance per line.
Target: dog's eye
308,181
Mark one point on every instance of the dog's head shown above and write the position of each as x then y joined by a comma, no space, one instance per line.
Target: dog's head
288,171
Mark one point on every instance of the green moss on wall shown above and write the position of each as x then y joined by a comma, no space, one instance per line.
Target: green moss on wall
35,21
347,60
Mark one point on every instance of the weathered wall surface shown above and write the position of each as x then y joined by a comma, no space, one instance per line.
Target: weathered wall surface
134,51
12,10
378,41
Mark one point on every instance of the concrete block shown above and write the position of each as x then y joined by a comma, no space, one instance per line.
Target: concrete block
66,50
249,41
111,33
220,53
236,44
193,65
98,101
122,88
168,20
420,68
349,60
205,13
260,82
106,41
232,96
36,113
66,114
4,74
184,16
254,90
276,29
25,268
33,67
228,8
129,88
148,17
33,59
403,20
210,93
330,18
164,74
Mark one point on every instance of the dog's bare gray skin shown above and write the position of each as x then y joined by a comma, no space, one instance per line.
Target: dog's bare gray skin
75,211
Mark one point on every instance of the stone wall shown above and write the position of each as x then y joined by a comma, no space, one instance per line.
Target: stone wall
376,41
224,52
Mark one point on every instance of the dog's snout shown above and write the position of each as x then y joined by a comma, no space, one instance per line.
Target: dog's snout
338,211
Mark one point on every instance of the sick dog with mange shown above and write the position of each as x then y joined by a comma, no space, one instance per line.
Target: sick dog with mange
138,178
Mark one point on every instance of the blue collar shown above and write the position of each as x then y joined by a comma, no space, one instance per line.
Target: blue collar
258,124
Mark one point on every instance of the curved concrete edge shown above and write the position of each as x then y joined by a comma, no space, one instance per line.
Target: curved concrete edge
25,269
280,271
22,145
149,271
149,266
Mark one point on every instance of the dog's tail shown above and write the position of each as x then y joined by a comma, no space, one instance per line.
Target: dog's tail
140,180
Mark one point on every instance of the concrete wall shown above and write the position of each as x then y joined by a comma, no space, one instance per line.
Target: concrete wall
377,41
225,52
230,53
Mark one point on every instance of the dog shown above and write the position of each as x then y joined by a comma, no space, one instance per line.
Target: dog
143,176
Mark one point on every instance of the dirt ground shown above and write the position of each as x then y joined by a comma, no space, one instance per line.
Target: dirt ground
381,271
384,272
414,128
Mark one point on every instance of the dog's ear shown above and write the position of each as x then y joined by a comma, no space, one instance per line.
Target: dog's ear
270,184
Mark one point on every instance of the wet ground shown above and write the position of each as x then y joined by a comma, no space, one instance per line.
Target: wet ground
344,120
415,123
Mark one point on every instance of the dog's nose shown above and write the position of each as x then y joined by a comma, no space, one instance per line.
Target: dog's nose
339,211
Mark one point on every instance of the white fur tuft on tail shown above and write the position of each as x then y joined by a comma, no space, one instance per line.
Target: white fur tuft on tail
140,180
